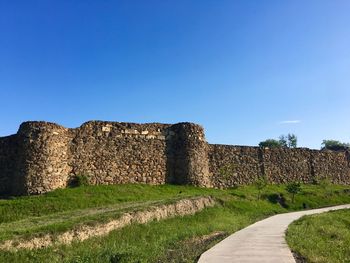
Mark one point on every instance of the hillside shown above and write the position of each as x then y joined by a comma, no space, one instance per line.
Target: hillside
177,239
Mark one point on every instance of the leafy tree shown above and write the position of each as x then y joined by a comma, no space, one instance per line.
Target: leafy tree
270,143
289,141
293,188
260,183
283,141
292,140
334,145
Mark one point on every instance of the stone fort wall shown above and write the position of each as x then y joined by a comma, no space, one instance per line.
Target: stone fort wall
236,165
45,156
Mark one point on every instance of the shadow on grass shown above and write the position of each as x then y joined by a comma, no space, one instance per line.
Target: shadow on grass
277,199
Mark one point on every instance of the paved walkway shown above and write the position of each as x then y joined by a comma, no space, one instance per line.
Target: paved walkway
261,242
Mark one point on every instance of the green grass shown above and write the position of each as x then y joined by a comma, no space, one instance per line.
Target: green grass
88,197
153,242
322,238
64,209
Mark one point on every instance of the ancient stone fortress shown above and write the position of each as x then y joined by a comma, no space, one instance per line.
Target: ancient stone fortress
45,156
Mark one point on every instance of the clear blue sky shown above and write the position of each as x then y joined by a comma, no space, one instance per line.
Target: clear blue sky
245,70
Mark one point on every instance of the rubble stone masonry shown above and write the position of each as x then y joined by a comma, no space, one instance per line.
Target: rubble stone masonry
45,156
236,165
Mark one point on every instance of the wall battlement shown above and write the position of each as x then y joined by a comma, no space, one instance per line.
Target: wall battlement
45,156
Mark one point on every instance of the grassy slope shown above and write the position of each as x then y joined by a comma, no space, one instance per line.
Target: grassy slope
322,238
155,241
63,209
88,197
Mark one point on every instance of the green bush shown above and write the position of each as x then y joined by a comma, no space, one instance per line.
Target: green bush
260,183
293,188
79,180
285,141
270,143
334,145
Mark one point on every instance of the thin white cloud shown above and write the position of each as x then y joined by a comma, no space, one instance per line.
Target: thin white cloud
290,122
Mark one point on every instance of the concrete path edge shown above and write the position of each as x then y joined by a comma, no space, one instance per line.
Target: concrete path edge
263,241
